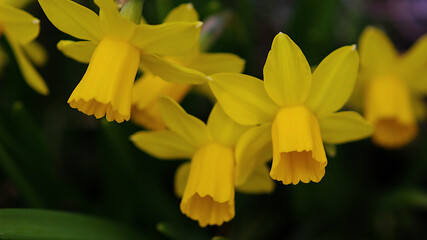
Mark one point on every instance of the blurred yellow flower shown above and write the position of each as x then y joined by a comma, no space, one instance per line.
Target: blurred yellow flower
149,87
207,183
20,29
391,87
115,47
296,107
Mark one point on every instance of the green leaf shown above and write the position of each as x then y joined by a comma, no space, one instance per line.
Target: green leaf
42,224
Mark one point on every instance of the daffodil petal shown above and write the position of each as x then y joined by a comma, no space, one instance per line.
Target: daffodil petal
258,182
243,98
181,177
171,72
180,122
414,60
223,129
146,91
287,74
211,63
20,25
377,52
112,22
31,76
168,39
80,51
163,144
73,19
253,148
183,13
36,53
344,127
333,81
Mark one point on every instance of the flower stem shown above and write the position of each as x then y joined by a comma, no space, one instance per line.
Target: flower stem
132,10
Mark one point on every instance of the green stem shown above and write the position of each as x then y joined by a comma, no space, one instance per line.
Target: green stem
12,171
132,10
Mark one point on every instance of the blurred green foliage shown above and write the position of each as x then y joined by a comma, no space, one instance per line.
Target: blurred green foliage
53,157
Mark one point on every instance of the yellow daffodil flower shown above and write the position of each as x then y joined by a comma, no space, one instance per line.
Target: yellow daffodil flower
207,183
149,87
296,107
20,29
115,47
391,87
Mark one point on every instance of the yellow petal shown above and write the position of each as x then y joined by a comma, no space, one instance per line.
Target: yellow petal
163,144
169,39
183,13
147,90
171,72
377,52
253,148
112,22
243,98
287,74
258,182
36,53
106,87
145,110
388,107
186,59
187,126
298,153
414,60
181,177
355,102
333,81
73,19
223,129
209,193
31,76
211,63
80,51
344,127
18,24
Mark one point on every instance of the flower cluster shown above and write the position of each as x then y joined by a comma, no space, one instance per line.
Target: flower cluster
288,117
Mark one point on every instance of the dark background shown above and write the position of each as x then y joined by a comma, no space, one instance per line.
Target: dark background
54,157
